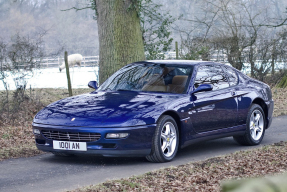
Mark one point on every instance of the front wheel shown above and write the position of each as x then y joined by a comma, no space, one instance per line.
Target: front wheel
165,141
255,127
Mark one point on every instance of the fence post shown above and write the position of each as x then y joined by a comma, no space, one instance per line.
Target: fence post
176,50
68,74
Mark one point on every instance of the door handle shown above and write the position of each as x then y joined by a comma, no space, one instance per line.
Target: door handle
233,93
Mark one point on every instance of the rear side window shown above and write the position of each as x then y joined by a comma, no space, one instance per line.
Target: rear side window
211,74
232,75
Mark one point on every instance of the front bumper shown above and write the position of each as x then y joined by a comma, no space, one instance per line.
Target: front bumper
138,143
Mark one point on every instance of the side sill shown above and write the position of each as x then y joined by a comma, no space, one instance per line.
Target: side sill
216,134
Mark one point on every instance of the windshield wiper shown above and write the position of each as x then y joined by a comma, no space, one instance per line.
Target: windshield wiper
126,90
107,89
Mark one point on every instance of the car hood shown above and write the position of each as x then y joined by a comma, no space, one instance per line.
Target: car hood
105,109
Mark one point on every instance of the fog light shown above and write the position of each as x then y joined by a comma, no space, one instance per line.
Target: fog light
36,131
116,135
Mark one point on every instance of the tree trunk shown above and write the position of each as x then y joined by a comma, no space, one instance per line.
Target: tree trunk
120,36
234,55
273,59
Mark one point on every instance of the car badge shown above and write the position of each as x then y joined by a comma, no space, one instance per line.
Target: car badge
73,119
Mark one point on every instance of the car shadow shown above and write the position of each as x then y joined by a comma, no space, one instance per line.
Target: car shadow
194,152
92,160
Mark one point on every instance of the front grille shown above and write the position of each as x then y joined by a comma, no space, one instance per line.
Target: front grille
71,136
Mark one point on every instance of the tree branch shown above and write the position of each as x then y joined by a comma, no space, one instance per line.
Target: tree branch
78,9
279,25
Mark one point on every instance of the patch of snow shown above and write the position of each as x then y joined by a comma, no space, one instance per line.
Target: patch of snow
53,78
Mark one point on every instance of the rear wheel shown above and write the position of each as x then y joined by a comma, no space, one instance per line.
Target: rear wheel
165,141
255,127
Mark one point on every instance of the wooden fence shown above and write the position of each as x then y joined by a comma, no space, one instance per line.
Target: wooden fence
88,61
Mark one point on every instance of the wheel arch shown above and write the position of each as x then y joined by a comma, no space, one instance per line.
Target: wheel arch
176,117
262,104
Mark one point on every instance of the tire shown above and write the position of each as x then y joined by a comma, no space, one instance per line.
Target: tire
256,125
165,140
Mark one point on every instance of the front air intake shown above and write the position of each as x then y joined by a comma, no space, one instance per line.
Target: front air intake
71,136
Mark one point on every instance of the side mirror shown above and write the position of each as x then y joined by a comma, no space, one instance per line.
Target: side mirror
202,87
93,85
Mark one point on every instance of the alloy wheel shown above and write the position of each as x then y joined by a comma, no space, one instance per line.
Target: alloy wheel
256,124
168,139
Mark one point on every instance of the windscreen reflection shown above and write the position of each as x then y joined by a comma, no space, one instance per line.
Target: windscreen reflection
150,78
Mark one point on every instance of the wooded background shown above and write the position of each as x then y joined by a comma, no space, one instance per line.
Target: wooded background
247,34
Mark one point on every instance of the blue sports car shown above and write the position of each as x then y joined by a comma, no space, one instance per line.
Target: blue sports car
153,108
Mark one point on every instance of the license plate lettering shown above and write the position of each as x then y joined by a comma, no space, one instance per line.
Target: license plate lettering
76,146
68,145
64,145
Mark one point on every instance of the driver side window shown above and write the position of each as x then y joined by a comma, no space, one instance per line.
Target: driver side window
213,75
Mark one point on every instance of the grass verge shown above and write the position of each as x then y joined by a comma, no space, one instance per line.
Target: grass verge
16,137
204,175
280,101
17,141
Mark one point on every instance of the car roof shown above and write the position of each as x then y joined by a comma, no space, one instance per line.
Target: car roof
172,62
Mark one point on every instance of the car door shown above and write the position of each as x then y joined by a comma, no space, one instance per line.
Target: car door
214,109
235,89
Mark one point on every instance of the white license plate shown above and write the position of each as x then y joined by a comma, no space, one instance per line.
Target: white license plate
68,145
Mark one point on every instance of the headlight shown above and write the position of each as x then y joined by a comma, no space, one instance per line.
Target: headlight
36,131
116,135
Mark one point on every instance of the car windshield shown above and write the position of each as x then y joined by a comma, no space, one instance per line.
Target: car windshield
150,77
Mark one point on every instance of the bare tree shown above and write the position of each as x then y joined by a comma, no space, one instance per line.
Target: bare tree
76,31
18,58
235,30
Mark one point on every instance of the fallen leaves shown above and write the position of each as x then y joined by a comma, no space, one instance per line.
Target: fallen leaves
204,175
279,96
17,141
16,137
